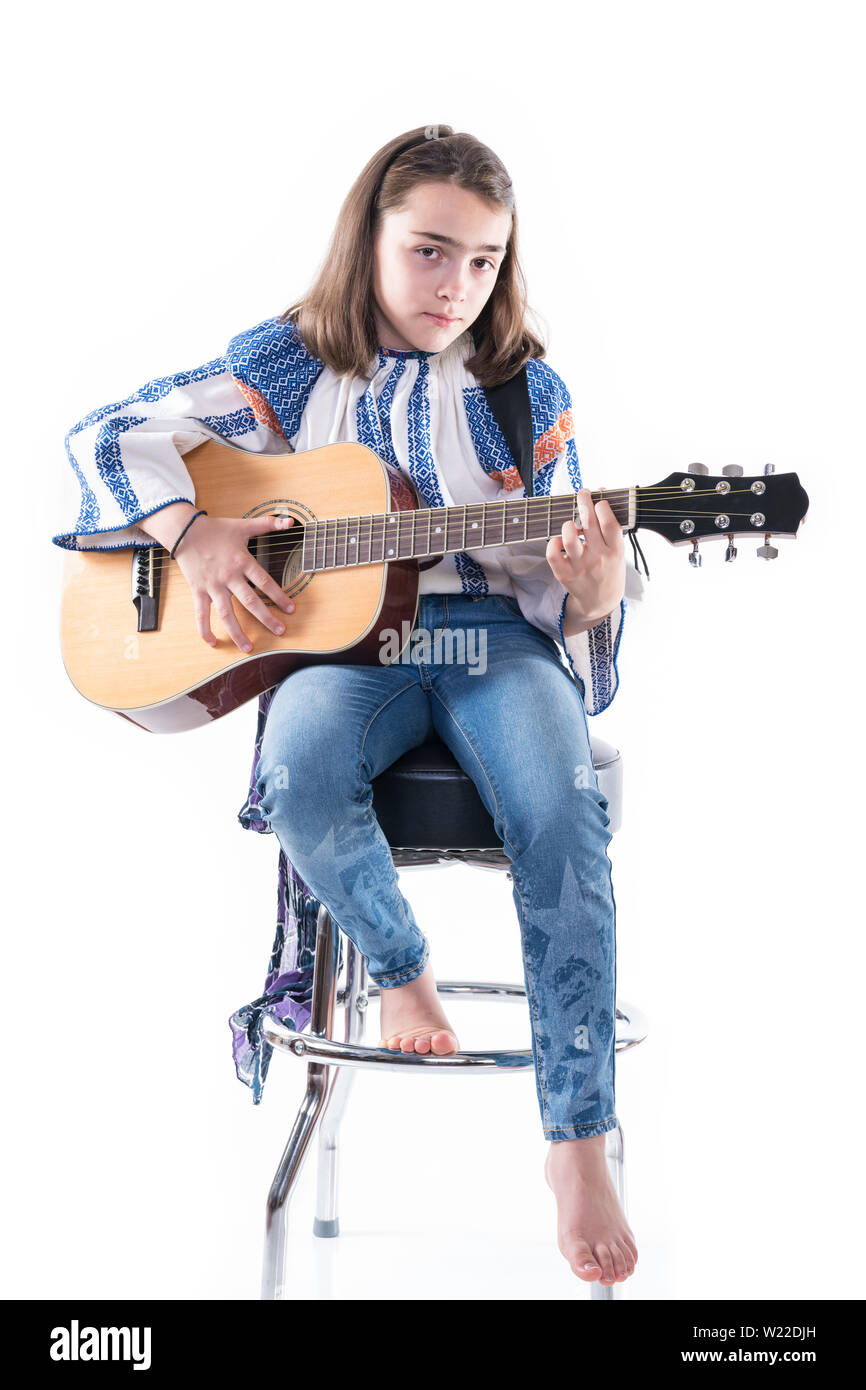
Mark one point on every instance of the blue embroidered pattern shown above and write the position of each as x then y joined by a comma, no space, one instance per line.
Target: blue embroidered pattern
108,460
550,398
373,415
273,360
421,468
233,426
600,658
488,440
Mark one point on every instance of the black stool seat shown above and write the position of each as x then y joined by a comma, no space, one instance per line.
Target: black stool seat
425,802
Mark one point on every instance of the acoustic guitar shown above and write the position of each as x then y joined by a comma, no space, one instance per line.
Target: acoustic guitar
351,561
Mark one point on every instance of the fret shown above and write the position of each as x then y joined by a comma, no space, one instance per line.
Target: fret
440,538
344,541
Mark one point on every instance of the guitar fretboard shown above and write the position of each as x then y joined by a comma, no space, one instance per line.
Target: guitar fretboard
362,540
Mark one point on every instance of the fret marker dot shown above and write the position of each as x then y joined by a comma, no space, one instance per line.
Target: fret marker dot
514,521
391,551
352,539
437,529
475,526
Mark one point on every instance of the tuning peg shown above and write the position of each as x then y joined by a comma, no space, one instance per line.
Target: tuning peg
769,468
767,552
694,557
731,552
732,470
698,468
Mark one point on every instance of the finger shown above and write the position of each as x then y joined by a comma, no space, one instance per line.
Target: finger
560,564
201,602
588,518
225,608
571,542
268,586
611,528
268,522
253,604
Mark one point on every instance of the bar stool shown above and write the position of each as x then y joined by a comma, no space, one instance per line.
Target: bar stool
431,813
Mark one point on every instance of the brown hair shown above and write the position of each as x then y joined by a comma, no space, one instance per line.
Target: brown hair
335,318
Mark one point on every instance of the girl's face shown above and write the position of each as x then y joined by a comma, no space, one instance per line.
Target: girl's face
437,256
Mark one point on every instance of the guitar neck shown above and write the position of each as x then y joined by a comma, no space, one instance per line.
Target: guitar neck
340,541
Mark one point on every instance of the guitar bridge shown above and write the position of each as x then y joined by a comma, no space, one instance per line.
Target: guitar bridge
146,573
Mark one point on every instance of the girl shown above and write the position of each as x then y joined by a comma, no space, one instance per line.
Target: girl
419,304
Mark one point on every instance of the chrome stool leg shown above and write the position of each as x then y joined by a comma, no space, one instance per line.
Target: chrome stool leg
614,1154
325,1099
327,1221
312,1108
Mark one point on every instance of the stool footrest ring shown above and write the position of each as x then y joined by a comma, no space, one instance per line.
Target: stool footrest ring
631,1029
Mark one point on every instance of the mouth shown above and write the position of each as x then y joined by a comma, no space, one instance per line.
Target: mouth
441,318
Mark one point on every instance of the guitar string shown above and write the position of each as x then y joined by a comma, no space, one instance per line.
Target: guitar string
562,502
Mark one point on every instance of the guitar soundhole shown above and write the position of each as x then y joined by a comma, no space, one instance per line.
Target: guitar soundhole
281,553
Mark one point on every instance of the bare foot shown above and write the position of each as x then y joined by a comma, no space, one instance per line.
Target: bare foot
411,1018
592,1231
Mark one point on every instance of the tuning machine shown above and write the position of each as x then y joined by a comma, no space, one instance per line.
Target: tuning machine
767,551
694,557
731,551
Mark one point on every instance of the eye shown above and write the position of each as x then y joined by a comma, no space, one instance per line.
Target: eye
484,260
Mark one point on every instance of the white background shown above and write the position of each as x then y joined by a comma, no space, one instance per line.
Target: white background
689,185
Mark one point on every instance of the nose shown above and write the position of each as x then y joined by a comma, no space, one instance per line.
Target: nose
453,292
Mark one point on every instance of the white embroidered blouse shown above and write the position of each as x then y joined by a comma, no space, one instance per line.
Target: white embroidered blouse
420,410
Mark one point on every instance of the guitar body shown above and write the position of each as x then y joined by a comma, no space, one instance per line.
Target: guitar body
168,679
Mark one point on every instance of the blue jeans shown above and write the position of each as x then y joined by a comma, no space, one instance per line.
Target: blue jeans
496,691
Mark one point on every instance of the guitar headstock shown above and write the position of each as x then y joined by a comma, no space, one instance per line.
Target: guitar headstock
689,507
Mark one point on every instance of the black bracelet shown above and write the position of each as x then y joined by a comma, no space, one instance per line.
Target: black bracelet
184,531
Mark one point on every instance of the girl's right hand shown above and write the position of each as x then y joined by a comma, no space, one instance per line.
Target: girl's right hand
216,563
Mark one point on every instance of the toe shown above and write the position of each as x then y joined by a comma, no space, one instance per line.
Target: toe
443,1044
605,1259
621,1262
422,1045
583,1261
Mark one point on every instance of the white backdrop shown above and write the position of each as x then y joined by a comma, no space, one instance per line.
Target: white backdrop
691,200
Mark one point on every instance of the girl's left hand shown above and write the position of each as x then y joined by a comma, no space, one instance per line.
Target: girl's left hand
592,570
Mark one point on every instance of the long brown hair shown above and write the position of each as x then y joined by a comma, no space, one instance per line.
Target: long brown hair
335,318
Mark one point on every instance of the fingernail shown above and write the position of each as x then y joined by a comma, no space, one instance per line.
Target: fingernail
280,627
592,1266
